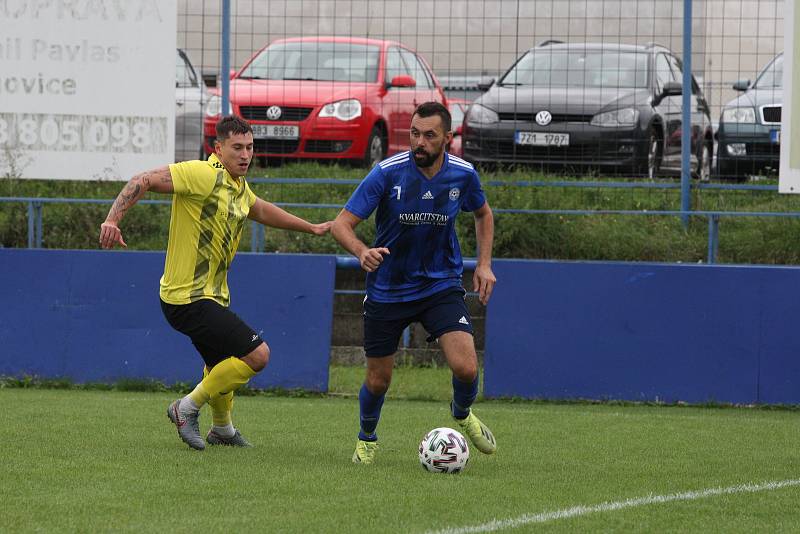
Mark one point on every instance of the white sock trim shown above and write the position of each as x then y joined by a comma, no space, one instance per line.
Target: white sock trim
226,431
187,405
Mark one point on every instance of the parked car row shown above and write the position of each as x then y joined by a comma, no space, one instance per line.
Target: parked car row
607,107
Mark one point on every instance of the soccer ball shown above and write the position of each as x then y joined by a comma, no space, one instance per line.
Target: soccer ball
443,450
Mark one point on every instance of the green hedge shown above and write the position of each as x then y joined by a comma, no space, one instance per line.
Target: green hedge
566,237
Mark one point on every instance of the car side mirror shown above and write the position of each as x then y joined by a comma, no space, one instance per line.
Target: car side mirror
672,89
741,85
485,84
403,81
232,74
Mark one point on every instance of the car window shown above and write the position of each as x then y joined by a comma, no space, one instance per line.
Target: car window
579,68
663,72
677,68
339,62
417,72
772,75
395,65
184,74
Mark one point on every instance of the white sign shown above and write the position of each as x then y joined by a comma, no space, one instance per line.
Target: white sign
87,87
789,178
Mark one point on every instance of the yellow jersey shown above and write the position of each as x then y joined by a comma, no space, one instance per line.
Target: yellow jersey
209,210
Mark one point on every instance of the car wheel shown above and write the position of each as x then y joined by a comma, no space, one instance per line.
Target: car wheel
704,165
376,148
654,153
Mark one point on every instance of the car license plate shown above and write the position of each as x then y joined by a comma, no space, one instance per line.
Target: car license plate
541,139
775,136
275,131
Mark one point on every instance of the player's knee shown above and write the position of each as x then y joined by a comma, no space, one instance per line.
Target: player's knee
466,371
259,358
378,383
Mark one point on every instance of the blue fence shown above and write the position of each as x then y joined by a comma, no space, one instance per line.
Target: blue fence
644,332
35,205
556,330
95,316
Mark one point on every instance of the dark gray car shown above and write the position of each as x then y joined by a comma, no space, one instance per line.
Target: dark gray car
750,126
611,107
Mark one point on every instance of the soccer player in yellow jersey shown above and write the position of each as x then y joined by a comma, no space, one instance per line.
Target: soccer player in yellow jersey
210,202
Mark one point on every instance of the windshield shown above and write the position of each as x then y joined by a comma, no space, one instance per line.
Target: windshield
772,76
579,68
338,62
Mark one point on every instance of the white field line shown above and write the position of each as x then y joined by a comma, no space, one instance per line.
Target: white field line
575,511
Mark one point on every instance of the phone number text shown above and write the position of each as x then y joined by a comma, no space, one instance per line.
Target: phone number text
83,133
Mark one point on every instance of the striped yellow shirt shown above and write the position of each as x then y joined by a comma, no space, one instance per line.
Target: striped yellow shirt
209,210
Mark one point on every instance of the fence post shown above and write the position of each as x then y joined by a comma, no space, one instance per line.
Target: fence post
406,337
253,236
686,120
225,76
713,238
37,208
31,229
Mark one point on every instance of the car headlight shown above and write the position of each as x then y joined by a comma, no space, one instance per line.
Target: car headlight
481,115
740,115
344,110
616,118
214,106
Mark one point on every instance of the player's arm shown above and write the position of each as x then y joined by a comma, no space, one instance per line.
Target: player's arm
269,214
158,180
344,231
483,280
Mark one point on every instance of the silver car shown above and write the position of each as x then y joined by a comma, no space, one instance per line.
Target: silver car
190,98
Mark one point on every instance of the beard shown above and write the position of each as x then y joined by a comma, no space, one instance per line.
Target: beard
424,159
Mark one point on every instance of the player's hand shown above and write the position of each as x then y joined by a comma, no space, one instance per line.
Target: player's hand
372,258
321,228
110,235
483,281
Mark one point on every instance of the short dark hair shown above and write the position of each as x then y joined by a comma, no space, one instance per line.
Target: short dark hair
429,109
232,125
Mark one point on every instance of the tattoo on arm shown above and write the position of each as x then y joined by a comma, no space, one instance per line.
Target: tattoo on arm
158,180
129,195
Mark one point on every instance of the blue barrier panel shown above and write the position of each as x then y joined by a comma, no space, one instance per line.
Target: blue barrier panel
644,332
95,316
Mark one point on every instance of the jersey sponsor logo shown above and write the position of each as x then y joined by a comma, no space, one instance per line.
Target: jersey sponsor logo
455,193
427,196
416,219
463,320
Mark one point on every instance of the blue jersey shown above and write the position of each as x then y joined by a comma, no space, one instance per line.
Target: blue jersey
416,221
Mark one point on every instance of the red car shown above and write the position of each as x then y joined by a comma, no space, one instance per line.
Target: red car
329,98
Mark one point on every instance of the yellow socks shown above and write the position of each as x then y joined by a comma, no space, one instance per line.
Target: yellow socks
221,407
217,386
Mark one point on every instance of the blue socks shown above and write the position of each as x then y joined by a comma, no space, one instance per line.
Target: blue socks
464,394
370,412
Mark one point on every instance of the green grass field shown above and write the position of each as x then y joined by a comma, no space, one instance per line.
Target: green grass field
92,461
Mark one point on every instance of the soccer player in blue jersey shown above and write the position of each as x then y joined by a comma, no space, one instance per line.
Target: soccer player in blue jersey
414,267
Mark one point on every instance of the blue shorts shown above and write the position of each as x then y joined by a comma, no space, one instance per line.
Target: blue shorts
439,313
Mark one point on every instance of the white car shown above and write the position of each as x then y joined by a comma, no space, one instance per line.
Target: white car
190,99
